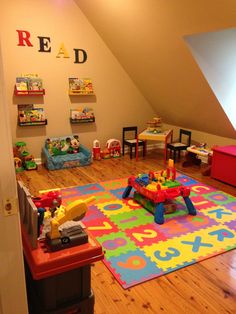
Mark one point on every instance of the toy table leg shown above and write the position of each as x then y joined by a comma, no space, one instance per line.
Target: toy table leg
159,213
190,207
127,191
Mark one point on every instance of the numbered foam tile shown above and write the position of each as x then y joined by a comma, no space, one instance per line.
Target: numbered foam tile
133,268
116,243
131,203
145,234
133,218
100,226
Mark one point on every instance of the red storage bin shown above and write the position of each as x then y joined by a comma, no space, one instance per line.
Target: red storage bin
224,164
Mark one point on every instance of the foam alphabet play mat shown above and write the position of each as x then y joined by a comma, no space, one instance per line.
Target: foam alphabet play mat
137,248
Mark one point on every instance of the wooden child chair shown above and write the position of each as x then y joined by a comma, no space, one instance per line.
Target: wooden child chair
182,144
129,137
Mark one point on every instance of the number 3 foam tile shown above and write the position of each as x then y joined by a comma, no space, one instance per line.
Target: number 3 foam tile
133,268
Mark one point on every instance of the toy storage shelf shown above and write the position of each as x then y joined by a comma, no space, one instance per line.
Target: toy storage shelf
29,92
81,93
81,121
39,123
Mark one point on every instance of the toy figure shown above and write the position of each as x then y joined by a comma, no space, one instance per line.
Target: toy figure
96,150
114,147
75,144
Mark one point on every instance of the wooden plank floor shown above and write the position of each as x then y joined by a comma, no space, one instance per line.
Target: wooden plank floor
206,287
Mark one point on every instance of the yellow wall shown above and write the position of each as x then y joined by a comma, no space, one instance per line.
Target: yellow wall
117,102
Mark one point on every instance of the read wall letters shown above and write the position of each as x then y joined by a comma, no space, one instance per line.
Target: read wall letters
80,55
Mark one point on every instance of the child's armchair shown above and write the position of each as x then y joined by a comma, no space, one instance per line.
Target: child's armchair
65,152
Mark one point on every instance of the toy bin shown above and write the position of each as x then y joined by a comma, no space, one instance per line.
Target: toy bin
68,292
224,164
60,282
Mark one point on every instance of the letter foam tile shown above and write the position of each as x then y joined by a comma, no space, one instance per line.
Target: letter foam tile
138,249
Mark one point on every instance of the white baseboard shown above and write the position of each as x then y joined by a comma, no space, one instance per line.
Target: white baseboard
38,161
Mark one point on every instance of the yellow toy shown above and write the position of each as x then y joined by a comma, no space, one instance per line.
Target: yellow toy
76,209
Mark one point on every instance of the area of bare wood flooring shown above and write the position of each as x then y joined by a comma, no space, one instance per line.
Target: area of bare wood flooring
205,287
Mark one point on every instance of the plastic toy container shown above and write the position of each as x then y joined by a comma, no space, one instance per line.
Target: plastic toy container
224,164
68,292
60,282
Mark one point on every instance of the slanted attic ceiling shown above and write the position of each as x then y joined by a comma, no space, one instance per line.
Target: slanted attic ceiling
147,38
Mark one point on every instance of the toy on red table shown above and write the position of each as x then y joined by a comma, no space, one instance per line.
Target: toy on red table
96,150
114,147
158,188
50,200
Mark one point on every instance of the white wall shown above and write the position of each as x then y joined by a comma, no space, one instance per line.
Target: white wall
215,54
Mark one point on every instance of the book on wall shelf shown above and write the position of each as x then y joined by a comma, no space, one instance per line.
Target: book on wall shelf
29,115
82,115
80,86
29,84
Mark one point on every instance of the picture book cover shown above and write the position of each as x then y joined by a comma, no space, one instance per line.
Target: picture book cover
31,115
29,83
35,84
82,115
81,86
22,83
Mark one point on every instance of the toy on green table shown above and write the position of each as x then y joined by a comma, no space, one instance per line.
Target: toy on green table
158,188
